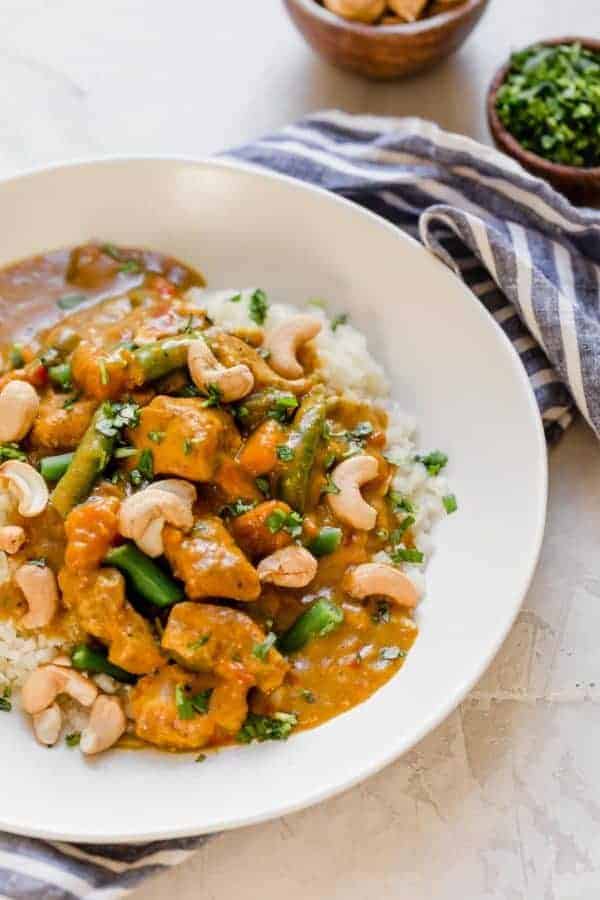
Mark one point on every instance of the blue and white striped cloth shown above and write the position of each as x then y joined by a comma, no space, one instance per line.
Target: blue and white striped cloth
533,261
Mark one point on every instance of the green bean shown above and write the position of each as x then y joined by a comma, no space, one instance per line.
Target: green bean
54,467
161,357
146,577
321,619
89,460
269,403
60,375
327,540
304,440
87,660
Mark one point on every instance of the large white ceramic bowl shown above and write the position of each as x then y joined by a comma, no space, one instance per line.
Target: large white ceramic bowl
449,363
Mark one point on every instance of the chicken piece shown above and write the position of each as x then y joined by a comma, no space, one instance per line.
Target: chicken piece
158,720
91,268
221,640
57,428
103,377
234,481
103,611
91,528
254,536
259,455
209,562
188,438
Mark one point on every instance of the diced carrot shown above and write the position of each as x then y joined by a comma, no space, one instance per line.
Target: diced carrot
259,455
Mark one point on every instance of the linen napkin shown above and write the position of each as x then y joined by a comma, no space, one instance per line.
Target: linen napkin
530,258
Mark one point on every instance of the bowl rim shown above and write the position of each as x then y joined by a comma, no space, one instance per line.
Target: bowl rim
512,146
406,29
399,746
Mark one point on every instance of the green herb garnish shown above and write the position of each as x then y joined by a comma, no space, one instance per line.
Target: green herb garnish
406,554
434,462
267,728
238,507
213,396
263,485
550,102
338,320
70,301
261,651
72,739
308,696
282,407
196,645
388,654
258,306
15,357
157,437
11,451
190,705
280,520
450,503
330,487
285,453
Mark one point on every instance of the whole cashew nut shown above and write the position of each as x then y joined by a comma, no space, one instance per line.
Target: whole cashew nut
143,515
284,342
291,567
45,683
47,725
106,724
232,384
27,486
19,405
40,590
380,579
348,505
12,538
357,10
178,486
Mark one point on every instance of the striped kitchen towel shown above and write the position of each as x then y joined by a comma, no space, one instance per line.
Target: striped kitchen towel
531,259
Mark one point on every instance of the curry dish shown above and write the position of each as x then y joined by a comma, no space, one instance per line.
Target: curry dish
200,525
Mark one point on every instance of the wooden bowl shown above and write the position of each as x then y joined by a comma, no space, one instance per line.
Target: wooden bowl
581,186
384,51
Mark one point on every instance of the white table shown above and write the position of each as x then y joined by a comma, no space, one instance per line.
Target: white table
503,800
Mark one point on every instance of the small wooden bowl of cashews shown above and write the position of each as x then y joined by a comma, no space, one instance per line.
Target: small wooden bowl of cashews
385,39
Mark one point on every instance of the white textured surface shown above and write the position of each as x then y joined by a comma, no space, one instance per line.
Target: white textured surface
503,801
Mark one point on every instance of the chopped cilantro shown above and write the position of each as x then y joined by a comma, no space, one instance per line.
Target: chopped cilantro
157,437
338,320
236,298
238,507
291,522
15,357
190,705
11,451
116,416
450,504
257,309
187,447
330,487
308,695
201,757
113,251
434,462
196,645
406,523
267,728
72,739
388,654
399,503
214,396
361,431
285,453
5,705
71,401
146,464
282,407
263,485
406,554
130,267
40,562
261,651
329,461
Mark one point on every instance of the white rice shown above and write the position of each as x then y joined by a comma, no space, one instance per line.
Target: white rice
21,653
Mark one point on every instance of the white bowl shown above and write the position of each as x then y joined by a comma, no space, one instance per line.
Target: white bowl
450,364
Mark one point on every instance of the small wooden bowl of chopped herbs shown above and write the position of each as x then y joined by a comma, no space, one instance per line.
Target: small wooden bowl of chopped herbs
544,110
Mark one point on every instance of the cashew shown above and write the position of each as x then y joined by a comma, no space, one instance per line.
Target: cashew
232,384
106,724
408,10
284,342
348,505
12,538
45,683
27,486
47,725
182,489
291,567
62,660
370,579
40,589
357,10
143,515
19,404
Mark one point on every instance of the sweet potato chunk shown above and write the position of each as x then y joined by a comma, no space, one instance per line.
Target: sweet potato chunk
188,438
217,639
259,455
91,528
104,612
57,428
254,535
234,481
100,376
209,562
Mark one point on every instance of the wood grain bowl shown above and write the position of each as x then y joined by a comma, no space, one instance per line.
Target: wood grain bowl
581,186
384,52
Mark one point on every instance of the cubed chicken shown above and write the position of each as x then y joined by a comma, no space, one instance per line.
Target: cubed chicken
103,611
103,377
187,438
208,638
57,428
166,715
209,562
253,534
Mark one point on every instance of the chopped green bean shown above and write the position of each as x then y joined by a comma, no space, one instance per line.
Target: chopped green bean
322,618
89,460
60,376
54,467
327,540
304,439
88,660
146,577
